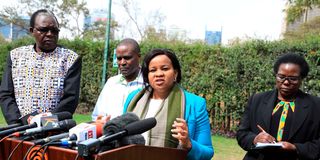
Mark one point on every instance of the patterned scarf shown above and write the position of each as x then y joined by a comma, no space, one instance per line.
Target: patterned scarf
171,108
283,117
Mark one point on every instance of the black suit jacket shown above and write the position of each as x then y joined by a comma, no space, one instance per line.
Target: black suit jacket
304,132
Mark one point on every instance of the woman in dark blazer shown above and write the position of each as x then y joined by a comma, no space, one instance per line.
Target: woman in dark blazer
285,115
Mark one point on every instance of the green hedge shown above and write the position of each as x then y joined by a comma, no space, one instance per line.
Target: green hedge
225,76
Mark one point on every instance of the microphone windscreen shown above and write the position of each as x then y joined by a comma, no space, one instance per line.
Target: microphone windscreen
133,139
67,124
139,127
63,115
118,123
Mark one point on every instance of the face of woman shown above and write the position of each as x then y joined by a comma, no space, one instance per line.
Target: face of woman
161,76
288,80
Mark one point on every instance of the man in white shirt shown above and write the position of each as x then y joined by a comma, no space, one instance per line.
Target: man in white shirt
117,88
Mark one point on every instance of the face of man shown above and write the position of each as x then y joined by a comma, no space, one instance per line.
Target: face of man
45,32
128,61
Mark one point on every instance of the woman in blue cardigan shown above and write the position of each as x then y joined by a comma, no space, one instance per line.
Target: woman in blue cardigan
182,118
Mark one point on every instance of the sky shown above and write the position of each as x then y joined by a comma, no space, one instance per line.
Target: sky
261,19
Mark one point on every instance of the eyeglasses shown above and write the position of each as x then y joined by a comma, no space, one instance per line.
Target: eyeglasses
46,30
292,79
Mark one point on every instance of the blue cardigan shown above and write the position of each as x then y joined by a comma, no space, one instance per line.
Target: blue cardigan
198,125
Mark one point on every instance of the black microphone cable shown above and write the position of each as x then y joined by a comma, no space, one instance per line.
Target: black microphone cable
26,155
38,150
44,152
15,148
77,156
8,136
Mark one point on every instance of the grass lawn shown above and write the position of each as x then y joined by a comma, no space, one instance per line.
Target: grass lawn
224,148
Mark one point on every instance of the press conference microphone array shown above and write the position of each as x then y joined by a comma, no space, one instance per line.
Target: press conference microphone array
90,146
78,133
36,122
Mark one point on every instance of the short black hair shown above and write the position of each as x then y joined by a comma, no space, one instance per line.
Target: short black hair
41,11
132,42
295,59
155,52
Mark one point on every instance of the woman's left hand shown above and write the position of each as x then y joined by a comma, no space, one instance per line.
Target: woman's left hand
288,146
180,131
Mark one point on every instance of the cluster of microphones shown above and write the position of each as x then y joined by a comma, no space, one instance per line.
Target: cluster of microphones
89,138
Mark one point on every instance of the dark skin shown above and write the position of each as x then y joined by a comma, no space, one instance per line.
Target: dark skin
45,32
128,61
287,91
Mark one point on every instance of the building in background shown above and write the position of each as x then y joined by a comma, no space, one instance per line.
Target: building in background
213,37
97,20
12,32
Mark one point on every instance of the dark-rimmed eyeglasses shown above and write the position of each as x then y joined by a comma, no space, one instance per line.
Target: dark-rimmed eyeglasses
292,79
46,30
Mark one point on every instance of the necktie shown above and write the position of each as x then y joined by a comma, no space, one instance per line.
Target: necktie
283,117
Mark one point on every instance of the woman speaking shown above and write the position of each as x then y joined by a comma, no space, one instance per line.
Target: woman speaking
182,119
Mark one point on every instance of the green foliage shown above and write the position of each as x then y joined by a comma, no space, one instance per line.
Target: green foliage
225,76
307,29
298,8
67,11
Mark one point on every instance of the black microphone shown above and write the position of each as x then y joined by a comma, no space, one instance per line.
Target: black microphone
10,126
133,139
118,123
65,143
63,115
60,116
89,146
16,129
54,126
51,138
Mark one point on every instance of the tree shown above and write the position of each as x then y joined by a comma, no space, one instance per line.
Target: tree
67,11
298,8
97,30
146,26
73,9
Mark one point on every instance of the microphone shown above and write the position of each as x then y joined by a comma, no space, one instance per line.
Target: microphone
51,138
89,146
10,126
133,139
59,116
84,131
64,143
37,119
16,129
51,126
118,123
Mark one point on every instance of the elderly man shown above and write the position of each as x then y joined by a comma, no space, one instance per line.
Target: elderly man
117,88
43,77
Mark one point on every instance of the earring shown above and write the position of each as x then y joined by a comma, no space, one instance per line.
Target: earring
175,79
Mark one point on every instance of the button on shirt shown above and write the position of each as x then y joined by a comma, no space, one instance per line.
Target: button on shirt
114,95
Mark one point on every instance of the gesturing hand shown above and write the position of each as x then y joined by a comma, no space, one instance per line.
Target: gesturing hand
180,131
